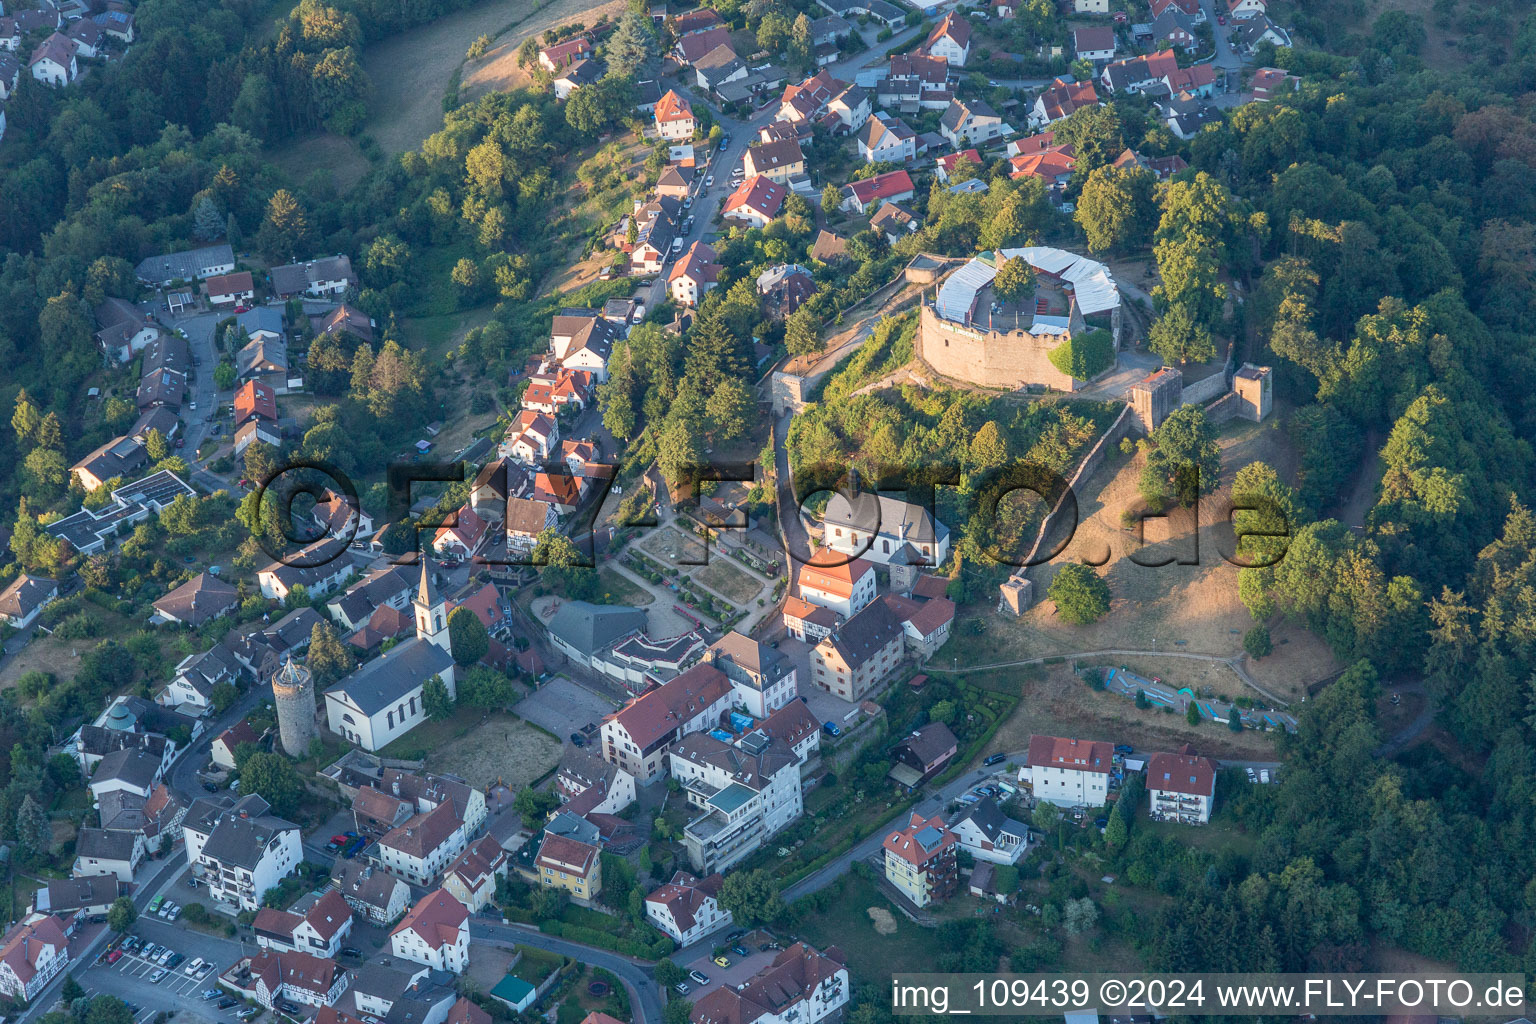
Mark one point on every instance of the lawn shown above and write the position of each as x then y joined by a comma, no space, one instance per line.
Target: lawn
482,751
876,949
536,964
618,589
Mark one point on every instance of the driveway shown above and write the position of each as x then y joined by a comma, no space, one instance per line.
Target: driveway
563,707
741,970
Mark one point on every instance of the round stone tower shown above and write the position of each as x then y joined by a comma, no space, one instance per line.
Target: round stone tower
293,692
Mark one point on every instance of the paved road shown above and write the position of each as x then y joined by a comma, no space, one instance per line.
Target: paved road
644,996
1231,661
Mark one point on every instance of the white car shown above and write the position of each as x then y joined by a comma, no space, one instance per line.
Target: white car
194,405
709,182
154,979
192,968
687,202
1264,775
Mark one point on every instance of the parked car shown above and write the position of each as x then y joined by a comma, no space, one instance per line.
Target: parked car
739,950
210,787
832,729
995,759
1124,748
224,1004
154,979
699,977
191,969
683,988
355,848
1221,19
247,1013
578,740
175,911
1253,776
351,951
210,993
1264,775
114,956
722,961
709,182
154,904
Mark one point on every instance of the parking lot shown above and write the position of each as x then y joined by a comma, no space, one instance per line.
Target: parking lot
563,707
741,968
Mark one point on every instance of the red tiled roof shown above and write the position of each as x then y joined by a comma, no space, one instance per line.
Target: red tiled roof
950,160
329,914
652,715
563,53
759,194
882,186
903,842
255,399
1182,773
672,107
1077,755
566,854
823,574
231,284
437,918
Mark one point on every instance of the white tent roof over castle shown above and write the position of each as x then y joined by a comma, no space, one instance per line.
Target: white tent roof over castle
1091,282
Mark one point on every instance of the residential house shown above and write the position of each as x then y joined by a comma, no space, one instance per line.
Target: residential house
131,769
562,387
1061,99
1191,9
319,278
564,862
375,895
390,586
531,437
915,81
1136,74
558,487
319,931
116,22
1242,10
784,288
1068,772
421,848
851,108
319,567
554,58
801,986
196,602
674,116
1161,167
1053,166
580,629
100,851
701,19
829,247
687,908
696,44
295,977
381,701
920,860
1267,83
24,599
435,932
527,518
922,754
119,457
762,678
807,101
348,320
264,357
1094,42
860,654
756,202
32,953
240,848
1182,787
957,166
656,227
256,400
53,61
950,39
222,750
676,182
1198,81
587,784
744,794
971,122
867,195
462,535
636,737
694,275
576,75
895,221
230,289
842,584
1174,29
122,328
1186,116
884,530
191,265
887,14
886,139
88,38
990,835
776,161
471,877
88,896
1250,32
926,623
161,387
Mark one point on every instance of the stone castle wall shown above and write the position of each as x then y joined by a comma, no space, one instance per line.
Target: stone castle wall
1004,359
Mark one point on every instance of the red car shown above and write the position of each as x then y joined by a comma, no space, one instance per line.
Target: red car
1221,19
242,309
114,956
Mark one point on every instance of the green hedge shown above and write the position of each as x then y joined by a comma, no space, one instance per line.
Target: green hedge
1085,356
607,940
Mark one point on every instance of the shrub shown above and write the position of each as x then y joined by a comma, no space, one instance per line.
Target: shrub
1085,356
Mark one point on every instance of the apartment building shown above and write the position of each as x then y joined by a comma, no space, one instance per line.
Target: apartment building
920,860
860,654
1068,772
745,794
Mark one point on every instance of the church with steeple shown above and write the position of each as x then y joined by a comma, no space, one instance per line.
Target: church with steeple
381,700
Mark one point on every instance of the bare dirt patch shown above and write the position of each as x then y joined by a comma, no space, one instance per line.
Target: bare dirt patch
500,748
1300,658
1057,703
1175,607
46,654
884,921
732,584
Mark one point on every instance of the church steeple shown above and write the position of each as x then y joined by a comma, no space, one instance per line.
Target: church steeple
431,611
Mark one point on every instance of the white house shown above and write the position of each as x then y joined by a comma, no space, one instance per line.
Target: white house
844,588
693,276
883,530
420,849
381,701
296,977
886,139
1182,787
100,851
435,932
1068,773
229,289
25,598
674,116
32,954
637,737
319,931
950,39
971,122
762,678
471,878
744,794
989,834
801,986
53,61
240,849
686,908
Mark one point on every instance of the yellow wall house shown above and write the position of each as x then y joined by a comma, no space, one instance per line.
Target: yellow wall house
565,863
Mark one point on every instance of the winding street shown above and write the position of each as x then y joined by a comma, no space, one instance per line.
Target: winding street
644,994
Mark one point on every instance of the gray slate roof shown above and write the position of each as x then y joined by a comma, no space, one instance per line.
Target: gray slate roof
594,627
393,674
